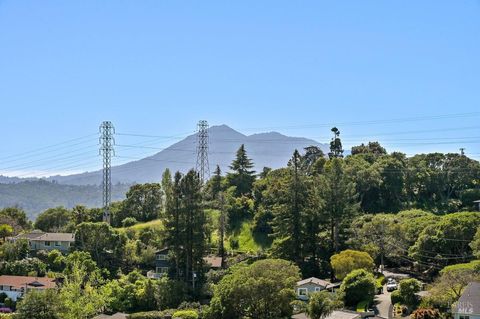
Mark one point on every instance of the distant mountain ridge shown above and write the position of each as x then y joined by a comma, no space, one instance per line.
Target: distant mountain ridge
270,149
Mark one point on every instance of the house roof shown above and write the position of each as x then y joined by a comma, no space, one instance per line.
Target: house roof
469,302
313,280
336,314
118,315
162,250
213,261
18,282
41,236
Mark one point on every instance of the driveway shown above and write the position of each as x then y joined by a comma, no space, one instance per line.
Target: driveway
383,304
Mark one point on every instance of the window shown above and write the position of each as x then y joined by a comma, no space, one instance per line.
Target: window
302,291
58,244
162,270
464,317
318,288
161,257
47,243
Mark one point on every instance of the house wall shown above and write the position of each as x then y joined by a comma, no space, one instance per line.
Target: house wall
12,294
470,316
311,289
40,245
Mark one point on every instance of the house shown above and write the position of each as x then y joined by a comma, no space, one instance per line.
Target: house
162,264
310,285
38,240
213,262
468,306
336,314
15,286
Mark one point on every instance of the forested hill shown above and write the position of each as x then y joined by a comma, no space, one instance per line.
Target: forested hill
266,149
36,196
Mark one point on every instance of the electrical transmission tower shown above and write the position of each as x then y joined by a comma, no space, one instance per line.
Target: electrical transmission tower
203,167
107,142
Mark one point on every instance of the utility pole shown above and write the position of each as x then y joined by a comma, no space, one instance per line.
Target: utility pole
107,142
202,167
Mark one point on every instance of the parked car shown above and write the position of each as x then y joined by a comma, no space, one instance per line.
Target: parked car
391,284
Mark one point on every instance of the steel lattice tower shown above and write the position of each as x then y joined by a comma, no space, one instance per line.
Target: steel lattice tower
202,167
107,142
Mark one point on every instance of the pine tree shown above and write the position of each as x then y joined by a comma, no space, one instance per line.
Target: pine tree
195,226
340,199
288,221
242,177
216,182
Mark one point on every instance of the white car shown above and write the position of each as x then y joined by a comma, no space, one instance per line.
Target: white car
392,285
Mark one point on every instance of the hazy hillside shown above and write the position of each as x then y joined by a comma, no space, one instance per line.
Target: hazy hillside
266,149
36,196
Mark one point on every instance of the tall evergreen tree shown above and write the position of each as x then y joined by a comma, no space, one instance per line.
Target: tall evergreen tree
216,182
195,226
340,199
242,176
288,216
174,223
186,228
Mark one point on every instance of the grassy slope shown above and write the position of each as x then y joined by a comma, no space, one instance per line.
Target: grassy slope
248,242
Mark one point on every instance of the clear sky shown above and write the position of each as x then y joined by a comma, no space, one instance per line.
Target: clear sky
297,67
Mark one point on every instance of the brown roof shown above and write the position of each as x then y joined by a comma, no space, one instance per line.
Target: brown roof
213,261
315,281
18,282
40,236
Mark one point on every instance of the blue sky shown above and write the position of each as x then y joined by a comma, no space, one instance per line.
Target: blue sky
157,67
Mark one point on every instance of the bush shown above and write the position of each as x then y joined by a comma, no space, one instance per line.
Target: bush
129,221
357,286
3,296
396,297
186,314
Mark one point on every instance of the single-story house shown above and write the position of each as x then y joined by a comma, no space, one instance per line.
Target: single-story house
39,240
310,285
336,314
15,286
468,305
118,315
214,262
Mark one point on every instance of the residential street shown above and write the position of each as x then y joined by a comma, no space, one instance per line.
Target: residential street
384,304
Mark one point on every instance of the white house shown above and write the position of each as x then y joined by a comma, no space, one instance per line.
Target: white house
15,286
310,285
39,240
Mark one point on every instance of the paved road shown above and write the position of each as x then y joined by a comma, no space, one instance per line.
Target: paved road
384,304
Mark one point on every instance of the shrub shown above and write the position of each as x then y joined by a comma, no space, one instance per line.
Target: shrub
129,221
186,314
426,314
396,297
357,286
